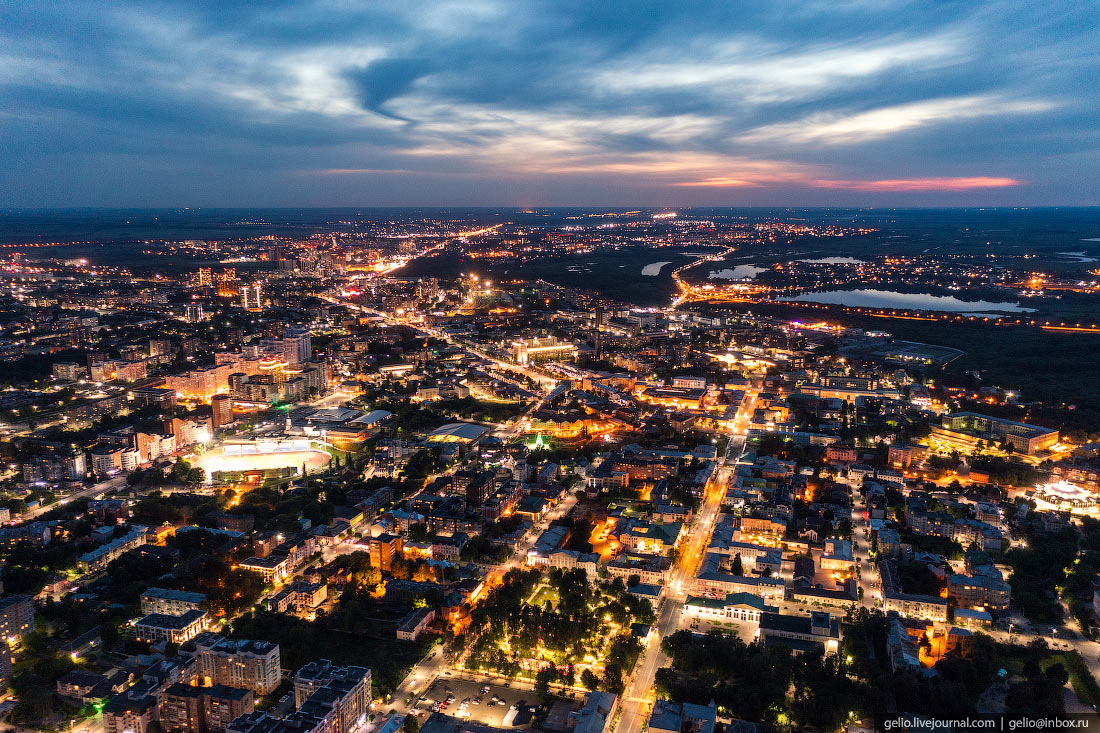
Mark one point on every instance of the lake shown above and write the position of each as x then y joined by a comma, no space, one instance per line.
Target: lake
654,268
741,272
871,298
834,261
1077,256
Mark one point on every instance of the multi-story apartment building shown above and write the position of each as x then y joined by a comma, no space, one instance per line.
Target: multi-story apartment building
476,486
188,432
911,605
157,627
16,616
109,461
942,524
294,348
254,665
320,688
56,465
384,549
101,557
92,411
181,708
979,592
714,581
203,709
282,561
274,568
301,597
37,534
128,713
1082,473
172,602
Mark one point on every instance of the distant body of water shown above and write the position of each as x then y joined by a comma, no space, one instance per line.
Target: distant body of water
741,272
870,298
653,269
1077,256
834,261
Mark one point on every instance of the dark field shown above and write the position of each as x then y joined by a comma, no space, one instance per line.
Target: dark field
615,272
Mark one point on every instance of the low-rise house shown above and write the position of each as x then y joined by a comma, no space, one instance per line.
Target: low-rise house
838,556
415,623
80,688
816,595
597,710
889,542
969,618
738,607
655,539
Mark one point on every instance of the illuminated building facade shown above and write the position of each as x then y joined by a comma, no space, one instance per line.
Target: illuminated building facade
253,665
252,297
222,405
965,429
16,616
526,351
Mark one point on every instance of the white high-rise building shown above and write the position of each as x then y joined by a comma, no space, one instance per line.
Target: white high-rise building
251,297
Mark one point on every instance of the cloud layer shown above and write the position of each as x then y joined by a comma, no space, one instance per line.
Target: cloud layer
481,102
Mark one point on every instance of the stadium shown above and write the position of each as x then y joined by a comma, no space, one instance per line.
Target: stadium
254,461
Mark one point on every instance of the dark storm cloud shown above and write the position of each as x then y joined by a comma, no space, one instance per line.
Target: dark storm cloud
482,102
385,79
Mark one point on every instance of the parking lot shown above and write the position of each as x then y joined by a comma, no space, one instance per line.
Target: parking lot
481,702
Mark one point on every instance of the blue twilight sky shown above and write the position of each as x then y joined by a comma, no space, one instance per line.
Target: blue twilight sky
737,102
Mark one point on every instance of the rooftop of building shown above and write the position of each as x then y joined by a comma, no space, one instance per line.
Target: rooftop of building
457,432
174,595
168,621
790,624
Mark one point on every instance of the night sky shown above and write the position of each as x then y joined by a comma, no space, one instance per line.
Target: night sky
825,102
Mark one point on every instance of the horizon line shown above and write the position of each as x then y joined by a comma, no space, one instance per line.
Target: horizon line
532,208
